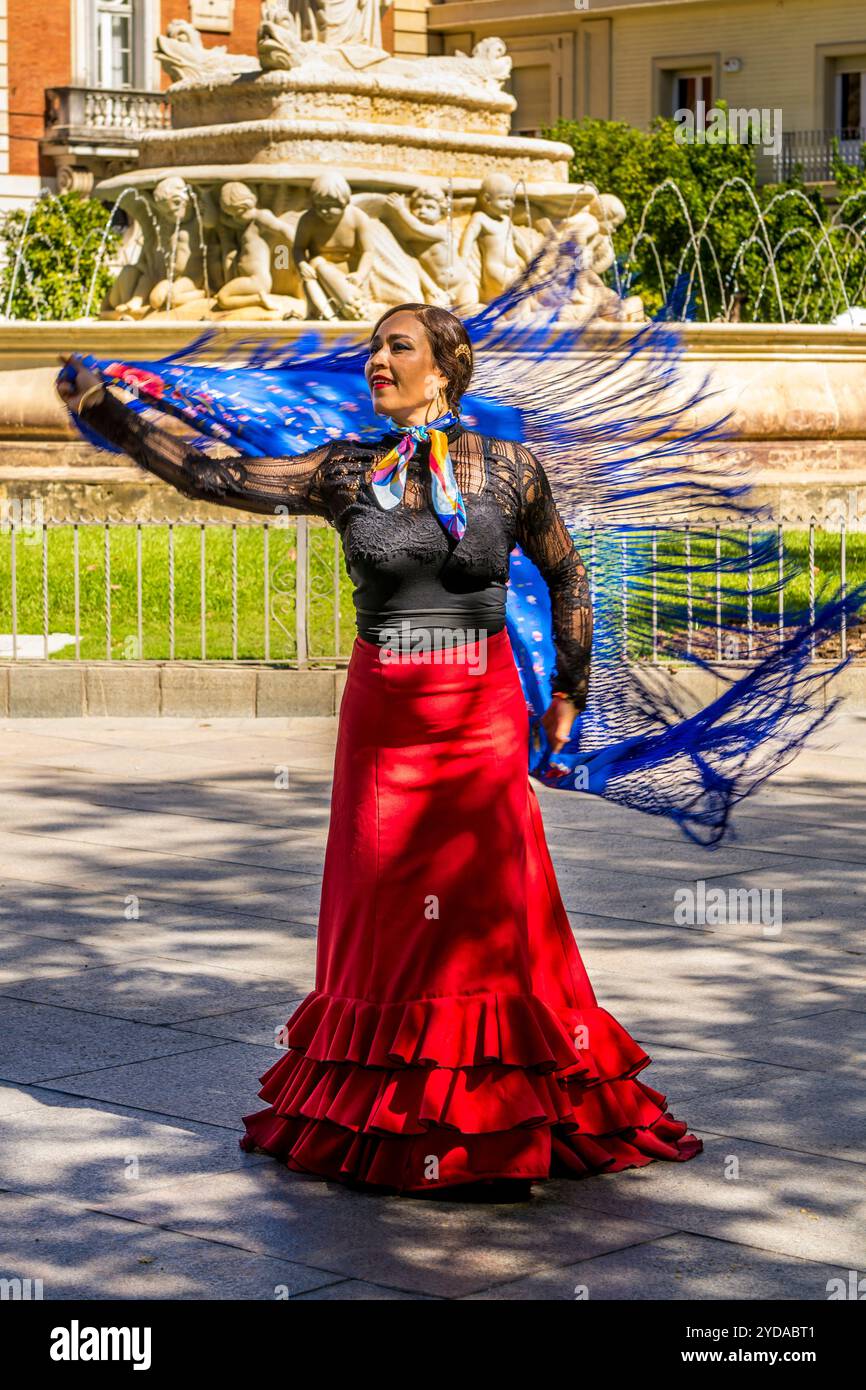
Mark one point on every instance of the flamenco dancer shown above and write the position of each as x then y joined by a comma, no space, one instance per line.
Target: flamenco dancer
453,1044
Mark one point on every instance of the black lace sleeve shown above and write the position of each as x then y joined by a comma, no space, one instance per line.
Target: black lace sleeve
273,485
542,534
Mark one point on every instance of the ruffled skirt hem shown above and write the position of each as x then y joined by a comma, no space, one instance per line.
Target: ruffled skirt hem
350,1101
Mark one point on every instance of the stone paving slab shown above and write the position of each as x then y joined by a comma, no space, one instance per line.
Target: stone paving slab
759,840
674,1267
806,1112
83,1254
257,1026
128,736
206,1079
82,1148
357,1290
822,1042
753,1193
42,1043
205,887
47,913
139,866
439,1248
102,730
830,903
717,1022
712,957
304,800
156,990
138,762
29,959
798,802
73,820
640,855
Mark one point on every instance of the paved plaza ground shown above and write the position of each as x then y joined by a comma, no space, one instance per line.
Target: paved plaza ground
160,887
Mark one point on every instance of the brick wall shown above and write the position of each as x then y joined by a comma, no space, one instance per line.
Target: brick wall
38,57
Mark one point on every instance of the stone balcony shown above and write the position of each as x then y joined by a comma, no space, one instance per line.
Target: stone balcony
93,132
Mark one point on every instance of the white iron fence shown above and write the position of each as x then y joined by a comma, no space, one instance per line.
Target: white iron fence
278,592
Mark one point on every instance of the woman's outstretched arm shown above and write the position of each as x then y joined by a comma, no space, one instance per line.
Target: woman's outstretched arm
542,534
290,485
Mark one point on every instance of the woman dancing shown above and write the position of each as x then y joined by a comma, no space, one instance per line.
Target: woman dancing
453,1043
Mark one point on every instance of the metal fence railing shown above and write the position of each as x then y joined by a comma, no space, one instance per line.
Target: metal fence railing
791,568
150,590
277,591
811,151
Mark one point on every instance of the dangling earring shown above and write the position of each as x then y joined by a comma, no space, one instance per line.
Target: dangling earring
440,395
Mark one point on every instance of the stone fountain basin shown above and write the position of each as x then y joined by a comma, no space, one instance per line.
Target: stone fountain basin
340,97
551,197
796,393
366,145
358,123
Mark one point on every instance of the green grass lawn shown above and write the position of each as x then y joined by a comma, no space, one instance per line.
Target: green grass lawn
828,558
709,576
327,577
282,558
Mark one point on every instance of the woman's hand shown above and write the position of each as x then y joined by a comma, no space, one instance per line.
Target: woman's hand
70,392
557,721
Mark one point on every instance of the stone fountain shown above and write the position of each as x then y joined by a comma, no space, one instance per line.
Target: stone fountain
323,180
326,179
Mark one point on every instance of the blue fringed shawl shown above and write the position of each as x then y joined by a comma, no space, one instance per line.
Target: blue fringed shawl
611,416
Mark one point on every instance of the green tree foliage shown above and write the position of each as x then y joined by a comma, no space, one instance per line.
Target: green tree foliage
704,239
55,258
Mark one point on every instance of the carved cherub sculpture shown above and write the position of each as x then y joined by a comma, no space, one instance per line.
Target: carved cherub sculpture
334,251
491,234
169,272
251,239
592,228
420,225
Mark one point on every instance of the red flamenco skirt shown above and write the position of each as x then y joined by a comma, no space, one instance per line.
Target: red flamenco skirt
453,1035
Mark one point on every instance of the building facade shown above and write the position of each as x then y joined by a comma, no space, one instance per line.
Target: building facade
79,78
633,60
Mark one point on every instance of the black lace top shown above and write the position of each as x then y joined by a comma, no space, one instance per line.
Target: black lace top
402,563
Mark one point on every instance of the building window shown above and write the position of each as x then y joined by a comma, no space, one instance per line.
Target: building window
114,43
530,86
688,88
851,102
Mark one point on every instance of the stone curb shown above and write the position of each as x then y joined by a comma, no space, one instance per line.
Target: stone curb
69,689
